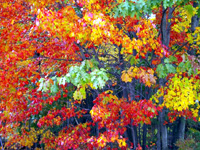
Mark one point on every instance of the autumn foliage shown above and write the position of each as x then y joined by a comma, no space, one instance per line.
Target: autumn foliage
98,74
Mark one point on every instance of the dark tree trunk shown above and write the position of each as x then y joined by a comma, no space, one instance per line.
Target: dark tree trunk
181,128
178,131
165,37
134,135
147,96
133,128
174,134
1,143
97,129
194,24
158,134
163,128
195,19
163,132
144,136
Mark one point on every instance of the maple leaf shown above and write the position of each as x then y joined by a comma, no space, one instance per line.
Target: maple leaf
58,60
125,77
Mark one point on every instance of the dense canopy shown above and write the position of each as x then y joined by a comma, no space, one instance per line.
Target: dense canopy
99,74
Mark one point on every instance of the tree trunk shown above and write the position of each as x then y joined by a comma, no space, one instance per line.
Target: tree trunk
158,135
181,128
163,132
1,143
194,24
144,137
195,19
97,129
174,134
165,37
139,135
134,135
133,128
163,128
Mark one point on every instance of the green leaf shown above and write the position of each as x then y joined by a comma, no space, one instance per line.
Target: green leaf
63,81
79,77
133,61
190,10
198,11
161,71
75,95
93,78
66,1
166,60
165,4
105,77
132,6
181,65
88,65
54,89
82,66
45,89
187,65
95,84
83,93
79,94
172,59
67,78
170,68
59,80
126,5
101,82
116,14
190,71
40,86
94,72
41,80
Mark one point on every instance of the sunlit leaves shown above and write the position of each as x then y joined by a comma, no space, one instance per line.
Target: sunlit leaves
87,74
79,94
145,76
181,93
131,8
182,25
194,38
164,70
48,79
71,137
141,7
140,112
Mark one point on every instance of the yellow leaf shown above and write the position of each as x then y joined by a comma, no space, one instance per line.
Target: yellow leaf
121,142
126,78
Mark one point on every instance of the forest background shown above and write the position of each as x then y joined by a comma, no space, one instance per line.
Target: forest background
99,74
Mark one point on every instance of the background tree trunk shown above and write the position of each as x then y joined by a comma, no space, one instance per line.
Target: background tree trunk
181,128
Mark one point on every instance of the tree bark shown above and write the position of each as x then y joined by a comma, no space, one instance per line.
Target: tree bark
144,136
165,37
163,132
194,24
163,128
97,129
1,143
174,134
133,128
195,19
181,128
134,135
158,135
